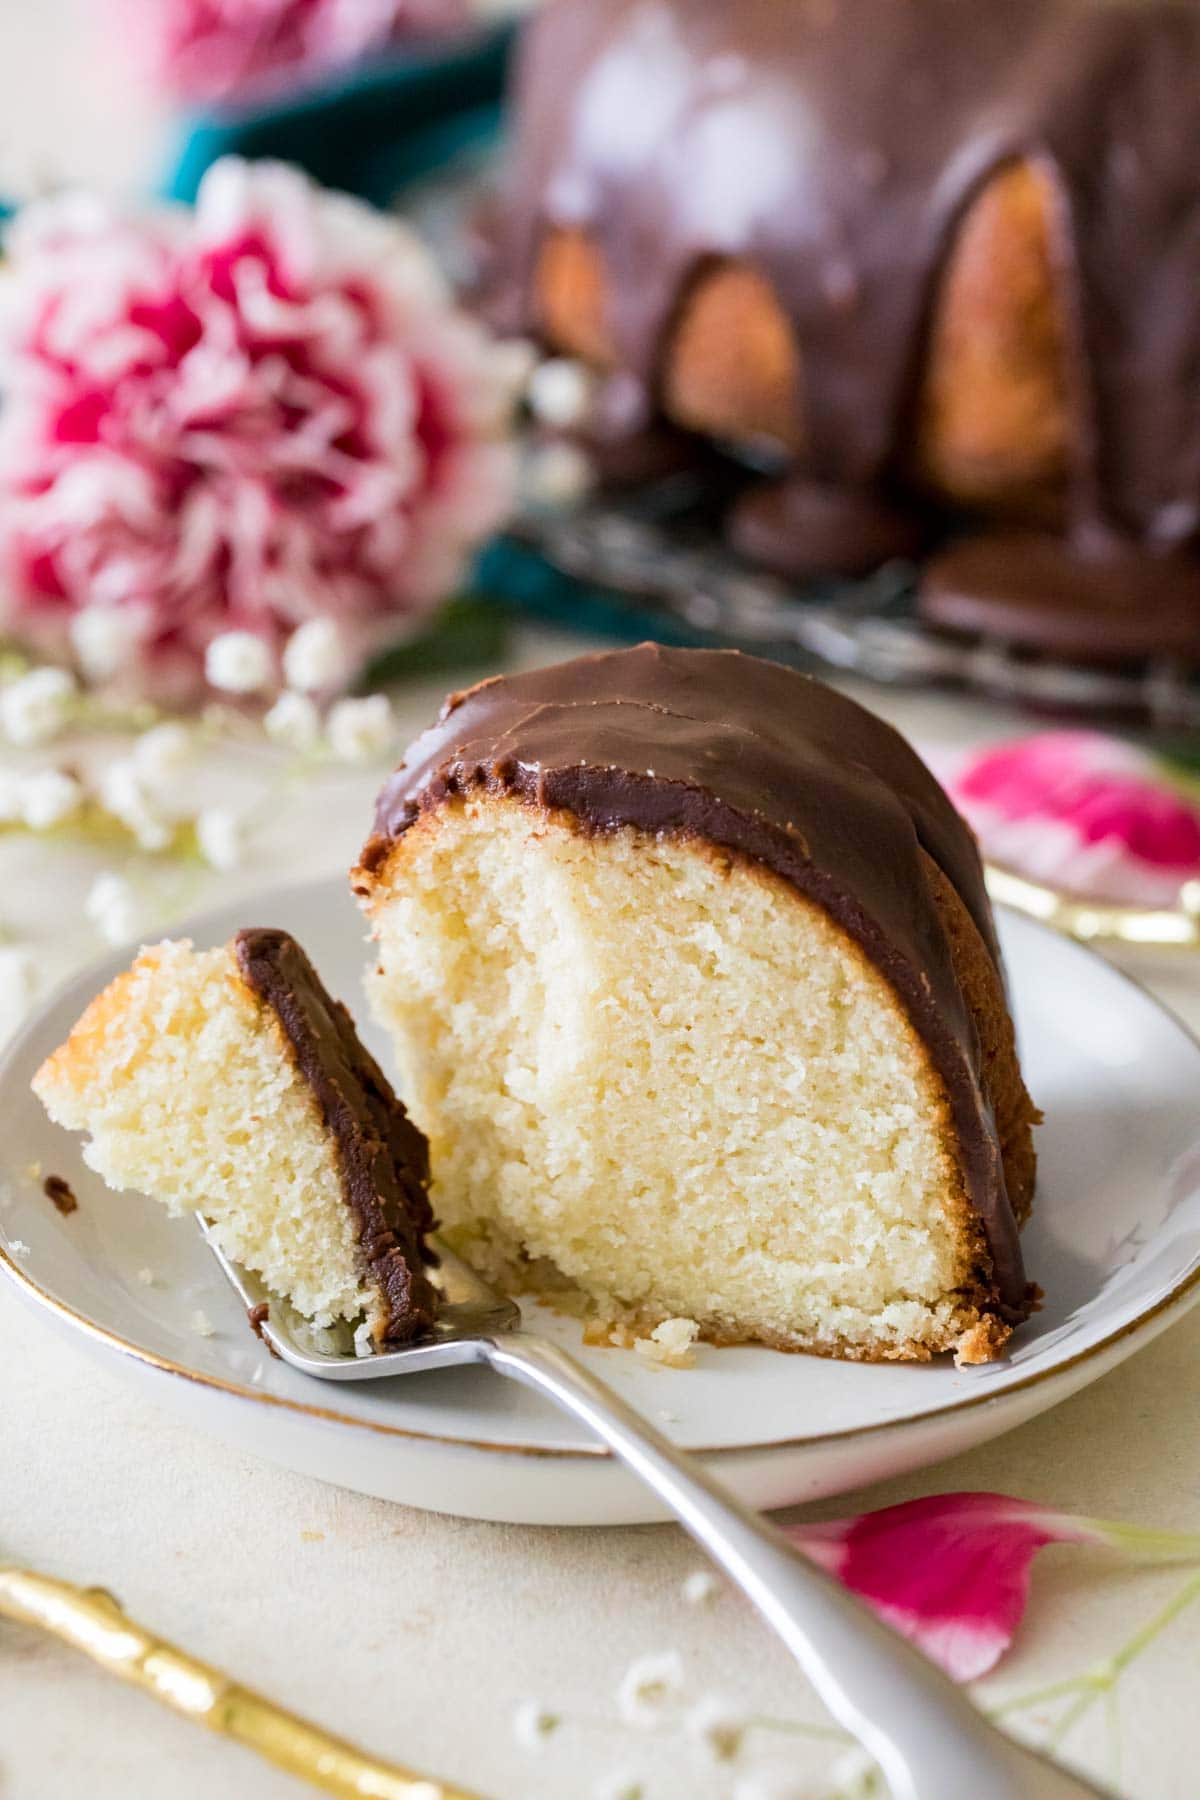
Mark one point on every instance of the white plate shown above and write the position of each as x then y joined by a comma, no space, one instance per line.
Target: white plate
1115,1242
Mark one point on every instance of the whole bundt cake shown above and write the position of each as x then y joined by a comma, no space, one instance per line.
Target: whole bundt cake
694,988
941,255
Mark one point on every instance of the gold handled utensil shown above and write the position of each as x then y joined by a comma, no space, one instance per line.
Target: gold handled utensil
90,1620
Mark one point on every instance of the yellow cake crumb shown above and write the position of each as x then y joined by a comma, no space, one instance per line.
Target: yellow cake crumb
670,1343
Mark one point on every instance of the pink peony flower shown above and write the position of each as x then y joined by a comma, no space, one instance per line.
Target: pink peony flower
951,1572
242,418
216,52
1084,812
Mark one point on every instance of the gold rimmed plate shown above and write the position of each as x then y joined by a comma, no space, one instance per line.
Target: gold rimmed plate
1115,1243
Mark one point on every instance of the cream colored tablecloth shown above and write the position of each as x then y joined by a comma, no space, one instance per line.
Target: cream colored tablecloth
421,1635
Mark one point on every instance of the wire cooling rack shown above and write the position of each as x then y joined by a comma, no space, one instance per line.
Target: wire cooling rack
649,563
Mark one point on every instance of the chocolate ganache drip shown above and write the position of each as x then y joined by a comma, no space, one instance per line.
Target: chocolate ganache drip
834,146
382,1158
771,765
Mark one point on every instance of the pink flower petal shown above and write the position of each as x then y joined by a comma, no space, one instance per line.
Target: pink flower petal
1085,812
951,1572
207,51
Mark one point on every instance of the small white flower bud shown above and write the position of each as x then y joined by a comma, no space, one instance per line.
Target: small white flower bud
361,729
36,707
239,662
314,657
717,1725
560,392
700,1587
648,1687
126,793
532,1725
293,721
112,907
160,753
219,835
48,798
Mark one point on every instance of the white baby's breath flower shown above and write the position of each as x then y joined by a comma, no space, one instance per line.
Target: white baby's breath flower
532,1725
293,721
558,475
700,1587
718,1725
104,638
620,1785
18,986
219,837
37,706
314,657
361,729
855,1776
649,1686
160,753
112,906
127,794
239,662
49,797
560,392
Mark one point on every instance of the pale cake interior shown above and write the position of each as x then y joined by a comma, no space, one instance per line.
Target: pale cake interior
186,1086
659,1073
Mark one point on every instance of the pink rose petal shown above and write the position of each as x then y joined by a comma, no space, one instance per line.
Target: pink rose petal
951,1572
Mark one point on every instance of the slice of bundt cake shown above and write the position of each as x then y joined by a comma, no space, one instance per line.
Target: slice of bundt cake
229,1083
694,987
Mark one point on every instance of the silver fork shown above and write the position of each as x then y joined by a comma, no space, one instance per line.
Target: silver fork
928,1739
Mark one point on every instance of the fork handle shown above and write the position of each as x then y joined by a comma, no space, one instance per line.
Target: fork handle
930,1742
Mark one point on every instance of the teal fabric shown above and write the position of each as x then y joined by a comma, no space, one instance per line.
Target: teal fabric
515,573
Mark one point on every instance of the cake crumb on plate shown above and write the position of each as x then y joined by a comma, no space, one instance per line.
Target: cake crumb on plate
670,1343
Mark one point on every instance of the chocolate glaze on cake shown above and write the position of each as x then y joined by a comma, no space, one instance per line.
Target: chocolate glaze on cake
835,147
768,764
382,1157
